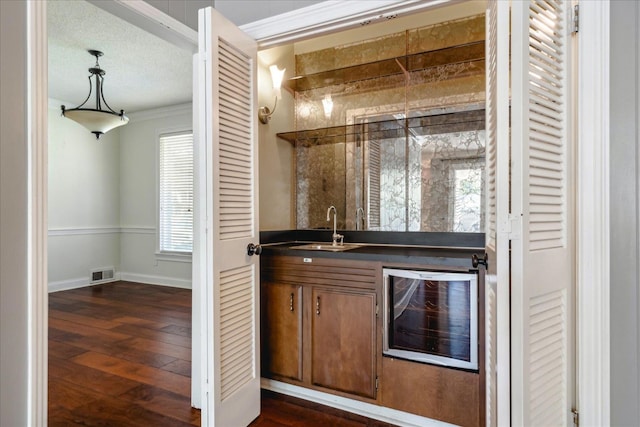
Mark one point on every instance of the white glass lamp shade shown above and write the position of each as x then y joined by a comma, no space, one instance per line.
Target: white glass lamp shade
276,77
98,122
327,105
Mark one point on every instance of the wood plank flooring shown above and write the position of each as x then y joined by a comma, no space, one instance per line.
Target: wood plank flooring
120,355
285,411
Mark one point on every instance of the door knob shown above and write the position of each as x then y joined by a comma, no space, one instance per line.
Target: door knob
253,249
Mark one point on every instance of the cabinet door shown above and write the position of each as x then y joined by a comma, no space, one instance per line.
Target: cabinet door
282,331
343,335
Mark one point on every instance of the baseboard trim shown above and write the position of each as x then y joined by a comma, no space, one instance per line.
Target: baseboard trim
81,282
391,416
156,280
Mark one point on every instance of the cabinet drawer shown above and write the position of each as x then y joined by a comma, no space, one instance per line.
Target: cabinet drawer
321,271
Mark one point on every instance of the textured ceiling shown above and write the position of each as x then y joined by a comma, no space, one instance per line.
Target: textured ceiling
142,70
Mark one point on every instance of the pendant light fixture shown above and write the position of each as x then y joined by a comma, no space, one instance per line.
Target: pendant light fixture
97,120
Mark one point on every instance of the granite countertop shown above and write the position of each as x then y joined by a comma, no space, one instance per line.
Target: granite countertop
390,254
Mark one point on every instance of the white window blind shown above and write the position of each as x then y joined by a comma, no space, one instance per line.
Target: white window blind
176,192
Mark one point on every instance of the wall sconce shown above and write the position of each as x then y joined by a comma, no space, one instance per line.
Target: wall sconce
264,113
327,104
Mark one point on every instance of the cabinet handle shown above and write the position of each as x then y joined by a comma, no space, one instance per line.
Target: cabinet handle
476,260
291,302
318,306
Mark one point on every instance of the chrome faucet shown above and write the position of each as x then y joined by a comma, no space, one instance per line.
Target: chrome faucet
335,236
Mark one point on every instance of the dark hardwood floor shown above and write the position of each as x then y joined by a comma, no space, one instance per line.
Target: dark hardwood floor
120,355
285,411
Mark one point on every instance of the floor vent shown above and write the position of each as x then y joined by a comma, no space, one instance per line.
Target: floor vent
102,275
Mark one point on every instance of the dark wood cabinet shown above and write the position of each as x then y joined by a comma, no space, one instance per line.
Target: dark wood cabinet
321,330
319,323
282,330
343,341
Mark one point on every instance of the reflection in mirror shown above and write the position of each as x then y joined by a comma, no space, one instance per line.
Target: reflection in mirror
424,172
402,146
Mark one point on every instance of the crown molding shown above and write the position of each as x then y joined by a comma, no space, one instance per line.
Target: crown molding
330,16
161,112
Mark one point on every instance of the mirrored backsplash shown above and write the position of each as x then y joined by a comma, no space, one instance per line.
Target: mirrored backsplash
431,179
391,132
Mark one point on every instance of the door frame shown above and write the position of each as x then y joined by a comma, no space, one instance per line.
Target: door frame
592,216
37,221
592,211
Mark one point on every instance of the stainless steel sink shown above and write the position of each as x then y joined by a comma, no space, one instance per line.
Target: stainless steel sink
326,247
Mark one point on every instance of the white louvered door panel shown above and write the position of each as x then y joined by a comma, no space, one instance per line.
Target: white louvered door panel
491,122
496,304
236,329
235,144
542,248
228,122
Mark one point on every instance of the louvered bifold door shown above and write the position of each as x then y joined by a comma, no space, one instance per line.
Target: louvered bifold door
230,113
542,209
496,303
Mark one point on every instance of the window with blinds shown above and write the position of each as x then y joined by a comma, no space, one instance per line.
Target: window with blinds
175,226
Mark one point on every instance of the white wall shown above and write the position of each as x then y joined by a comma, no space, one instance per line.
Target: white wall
625,216
103,201
14,351
276,179
138,198
84,201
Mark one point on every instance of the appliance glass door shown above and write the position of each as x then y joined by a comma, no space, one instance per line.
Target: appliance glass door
431,317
